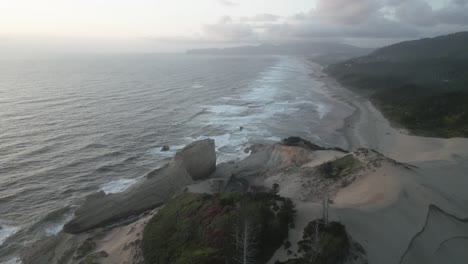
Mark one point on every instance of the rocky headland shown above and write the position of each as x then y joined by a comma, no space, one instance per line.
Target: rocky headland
113,228
392,198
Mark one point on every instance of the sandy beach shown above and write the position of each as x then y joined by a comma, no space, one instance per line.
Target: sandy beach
366,127
394,227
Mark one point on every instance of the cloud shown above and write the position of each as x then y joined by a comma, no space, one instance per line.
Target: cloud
378,19
375,27
338,20
227,3
420,13
456,13
226,29
416,12
345,11
261,18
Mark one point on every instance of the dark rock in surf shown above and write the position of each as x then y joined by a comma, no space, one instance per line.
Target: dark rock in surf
165,148
194,162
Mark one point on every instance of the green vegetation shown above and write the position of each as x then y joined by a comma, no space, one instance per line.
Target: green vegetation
94,258
85,248
444,115
299,142
333,247
201,228
339,167
421,85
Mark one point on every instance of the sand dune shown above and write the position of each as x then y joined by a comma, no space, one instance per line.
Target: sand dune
393,216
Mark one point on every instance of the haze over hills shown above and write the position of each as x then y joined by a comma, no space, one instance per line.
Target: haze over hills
418,84
306,48
448,46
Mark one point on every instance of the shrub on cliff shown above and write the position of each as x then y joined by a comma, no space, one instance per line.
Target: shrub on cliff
333,247
339,167
201,228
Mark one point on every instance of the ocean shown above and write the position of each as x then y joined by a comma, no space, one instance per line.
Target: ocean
72,125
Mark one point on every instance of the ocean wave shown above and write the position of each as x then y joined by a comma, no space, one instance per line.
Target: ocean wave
8,198
221,141
94,146
228,146
14,260
53,222
71,144
322,110
6,231
130,159
54,228
105,168
118,185
226,109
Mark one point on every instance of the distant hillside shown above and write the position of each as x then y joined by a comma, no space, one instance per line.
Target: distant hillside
421,84
312,48
449,46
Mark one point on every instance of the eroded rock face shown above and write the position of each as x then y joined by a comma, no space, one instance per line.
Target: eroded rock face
194,162
265,158
198,158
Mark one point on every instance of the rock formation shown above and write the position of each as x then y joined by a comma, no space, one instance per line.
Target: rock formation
165,148
195,161
301,171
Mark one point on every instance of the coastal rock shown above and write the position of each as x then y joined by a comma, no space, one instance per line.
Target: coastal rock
223,171
196,161
265,158
165,148
198,158
299,142
109,245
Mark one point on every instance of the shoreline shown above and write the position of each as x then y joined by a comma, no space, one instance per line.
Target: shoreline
363,127
437,178
367,127
334,90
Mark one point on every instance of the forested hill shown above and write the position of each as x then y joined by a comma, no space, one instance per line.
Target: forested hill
421,85
449,46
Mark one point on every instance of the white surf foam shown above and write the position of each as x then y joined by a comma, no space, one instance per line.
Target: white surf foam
6,231
271,97
322,110
249,111
228,146
227,109
14,260
118,185
221,141
54,228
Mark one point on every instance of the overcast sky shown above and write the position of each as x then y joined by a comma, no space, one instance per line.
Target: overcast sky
176,25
